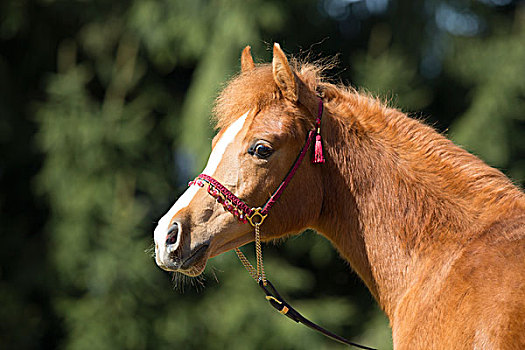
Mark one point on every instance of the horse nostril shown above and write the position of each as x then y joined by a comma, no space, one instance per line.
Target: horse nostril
173,233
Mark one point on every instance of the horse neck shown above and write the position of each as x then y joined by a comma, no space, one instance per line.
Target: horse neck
398,196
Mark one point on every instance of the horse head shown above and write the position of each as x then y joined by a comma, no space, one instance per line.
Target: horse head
264,116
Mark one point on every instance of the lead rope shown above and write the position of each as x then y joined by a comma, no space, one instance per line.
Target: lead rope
273,296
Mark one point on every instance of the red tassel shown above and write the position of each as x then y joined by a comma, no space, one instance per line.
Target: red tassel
318,152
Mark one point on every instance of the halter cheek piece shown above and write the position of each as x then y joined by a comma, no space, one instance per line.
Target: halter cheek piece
256,216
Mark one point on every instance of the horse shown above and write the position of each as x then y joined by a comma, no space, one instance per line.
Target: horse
437,235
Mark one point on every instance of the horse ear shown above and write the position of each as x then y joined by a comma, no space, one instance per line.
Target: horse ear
247,60
283,75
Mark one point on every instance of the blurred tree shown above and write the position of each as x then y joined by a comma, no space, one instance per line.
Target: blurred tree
109,104
27,50
493,68
105,147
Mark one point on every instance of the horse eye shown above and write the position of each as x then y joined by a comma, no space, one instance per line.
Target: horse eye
261,151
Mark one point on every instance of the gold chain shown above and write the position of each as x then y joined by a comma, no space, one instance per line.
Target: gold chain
257,274
258,254
246,264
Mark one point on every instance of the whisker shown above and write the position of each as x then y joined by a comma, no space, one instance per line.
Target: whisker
180,281
214,274
150,251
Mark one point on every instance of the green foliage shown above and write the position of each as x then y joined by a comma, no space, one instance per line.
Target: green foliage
390,75
492,126
93,173
105,112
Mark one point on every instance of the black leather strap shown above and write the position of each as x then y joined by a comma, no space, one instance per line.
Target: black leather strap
278,302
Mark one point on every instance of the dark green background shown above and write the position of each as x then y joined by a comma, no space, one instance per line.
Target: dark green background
104,117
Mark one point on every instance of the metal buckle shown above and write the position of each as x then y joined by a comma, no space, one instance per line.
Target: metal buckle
256,213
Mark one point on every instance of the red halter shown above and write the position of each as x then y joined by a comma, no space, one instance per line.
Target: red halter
256,215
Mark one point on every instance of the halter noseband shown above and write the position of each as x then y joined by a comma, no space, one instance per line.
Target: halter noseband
242,211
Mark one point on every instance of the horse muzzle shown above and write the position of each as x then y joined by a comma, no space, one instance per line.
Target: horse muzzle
174,255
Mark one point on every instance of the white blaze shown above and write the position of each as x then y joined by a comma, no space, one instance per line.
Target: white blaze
184,200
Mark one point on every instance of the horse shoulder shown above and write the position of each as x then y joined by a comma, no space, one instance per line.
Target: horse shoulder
477,302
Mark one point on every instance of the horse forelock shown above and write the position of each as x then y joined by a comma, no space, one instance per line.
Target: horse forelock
251,90
257,90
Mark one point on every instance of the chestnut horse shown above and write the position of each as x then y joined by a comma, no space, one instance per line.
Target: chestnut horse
437,235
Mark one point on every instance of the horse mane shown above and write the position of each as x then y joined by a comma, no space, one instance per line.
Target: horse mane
422,155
